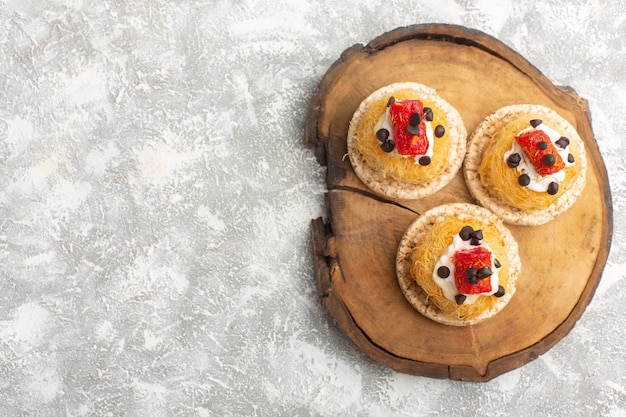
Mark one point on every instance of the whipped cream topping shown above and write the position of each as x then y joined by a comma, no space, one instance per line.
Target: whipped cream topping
538,182
384,122
448,285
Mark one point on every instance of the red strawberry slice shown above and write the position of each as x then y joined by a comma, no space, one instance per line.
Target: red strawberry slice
407,143
463,260
541,152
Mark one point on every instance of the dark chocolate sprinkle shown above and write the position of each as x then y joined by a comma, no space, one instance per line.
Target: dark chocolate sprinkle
553,188
440,131
471,275
497,263
535,122
513,160
465,232
523,180
484,272
415,119
460,298
443,272
424,160
387,146
382,134
500,291
392,99
570,158
563,142
412,130
548,160
542,145
428,114
476,237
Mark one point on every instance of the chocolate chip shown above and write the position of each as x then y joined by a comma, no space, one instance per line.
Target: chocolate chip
523,180
465,232
460,298
477,234
412,130
497,263
563,142
570,158
542,145
500,291
387,146
553,188
415,119
428,114
382,134
471,275
548,160
443,272
392,99
513,160
440,131
484,272
424,160
535,122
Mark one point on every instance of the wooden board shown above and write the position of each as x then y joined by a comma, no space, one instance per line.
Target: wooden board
355,248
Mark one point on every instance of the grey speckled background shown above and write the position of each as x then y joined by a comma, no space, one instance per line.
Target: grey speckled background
155,199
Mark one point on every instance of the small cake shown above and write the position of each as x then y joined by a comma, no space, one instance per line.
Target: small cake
525,163
405,141
457,264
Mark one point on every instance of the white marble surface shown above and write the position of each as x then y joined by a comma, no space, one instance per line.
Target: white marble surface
155,199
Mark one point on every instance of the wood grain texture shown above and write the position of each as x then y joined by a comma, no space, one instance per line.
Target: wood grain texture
355,249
